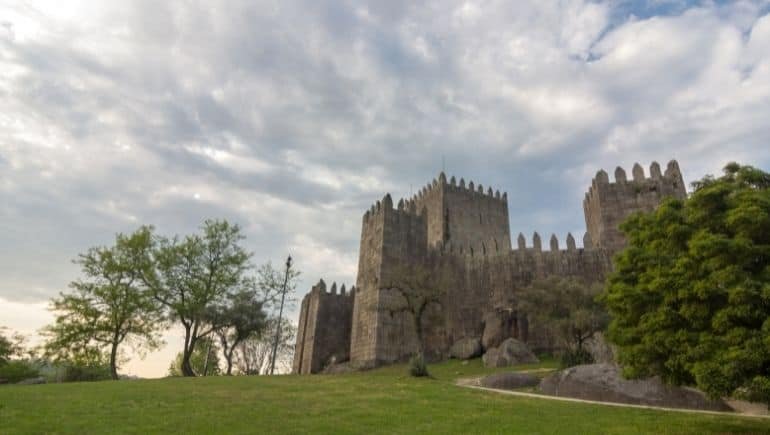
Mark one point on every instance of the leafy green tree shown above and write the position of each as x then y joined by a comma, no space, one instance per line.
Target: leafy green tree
108,307
193,274
8,347
241,316
690,295
204,360
568,308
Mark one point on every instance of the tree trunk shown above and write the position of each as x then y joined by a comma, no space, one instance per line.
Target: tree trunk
189,346
114,361
229,358
206,363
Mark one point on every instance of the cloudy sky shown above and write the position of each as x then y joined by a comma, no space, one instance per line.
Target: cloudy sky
291,118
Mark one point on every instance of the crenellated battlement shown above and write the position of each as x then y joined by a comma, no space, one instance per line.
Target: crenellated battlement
441,183
672,176
320,289
607,204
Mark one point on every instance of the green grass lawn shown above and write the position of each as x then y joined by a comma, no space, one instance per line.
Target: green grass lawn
379,401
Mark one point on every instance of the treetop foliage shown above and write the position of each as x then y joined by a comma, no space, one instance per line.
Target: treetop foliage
690,295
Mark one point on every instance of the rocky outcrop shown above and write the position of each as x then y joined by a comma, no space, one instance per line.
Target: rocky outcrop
510,352
509,381
466,348
605,383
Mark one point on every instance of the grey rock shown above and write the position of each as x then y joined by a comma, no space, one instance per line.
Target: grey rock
510,352
510,381
605,383
338,368
466,348
498,325
600,349
32,381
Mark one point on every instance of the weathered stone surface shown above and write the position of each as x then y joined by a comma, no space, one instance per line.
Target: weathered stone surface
604,382
496,329
600,349
510,381
466,348
510,352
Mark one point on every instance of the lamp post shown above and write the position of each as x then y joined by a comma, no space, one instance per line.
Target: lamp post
280,314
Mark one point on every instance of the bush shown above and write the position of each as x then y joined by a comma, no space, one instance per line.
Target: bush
15,371
81,373
571,358
417,366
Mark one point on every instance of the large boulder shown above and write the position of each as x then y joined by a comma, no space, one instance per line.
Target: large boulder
466,348
510,352
605,383
510,381
32,381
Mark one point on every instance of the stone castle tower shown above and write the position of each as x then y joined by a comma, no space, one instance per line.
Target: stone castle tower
458,236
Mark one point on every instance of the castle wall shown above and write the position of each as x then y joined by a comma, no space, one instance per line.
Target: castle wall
392,239
455,239
607,205
363,339
324,329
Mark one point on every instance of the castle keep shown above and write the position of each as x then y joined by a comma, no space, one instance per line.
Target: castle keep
458,236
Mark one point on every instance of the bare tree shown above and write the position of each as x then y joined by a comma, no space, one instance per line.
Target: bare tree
253,356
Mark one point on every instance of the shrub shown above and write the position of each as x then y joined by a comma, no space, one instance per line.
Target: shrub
15,371
85,373
417,366
576,357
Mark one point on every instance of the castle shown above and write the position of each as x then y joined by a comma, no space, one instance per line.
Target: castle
458,235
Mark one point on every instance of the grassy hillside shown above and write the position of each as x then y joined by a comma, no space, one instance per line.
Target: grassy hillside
381,401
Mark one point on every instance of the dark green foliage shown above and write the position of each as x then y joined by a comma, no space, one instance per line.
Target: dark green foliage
690,296
16,370
12,346
575,357
204,360
566,308
417,366
71,372
240,316
6,349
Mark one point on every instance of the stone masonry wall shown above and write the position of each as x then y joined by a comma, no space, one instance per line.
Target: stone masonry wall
323,334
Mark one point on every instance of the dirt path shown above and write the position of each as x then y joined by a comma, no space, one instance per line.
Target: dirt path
475,383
